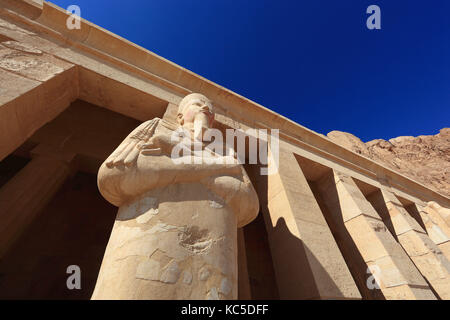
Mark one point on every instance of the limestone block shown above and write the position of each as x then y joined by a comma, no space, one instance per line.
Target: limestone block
395,273
442,288
445,248
434,270
30,62
244,290
13,86
442,211
352,199
401,220
103,90
406,292
53,17
436,234
292,181
426,255
436,228
415,243
307,261
368,235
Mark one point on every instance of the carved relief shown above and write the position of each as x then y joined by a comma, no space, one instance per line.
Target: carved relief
27,61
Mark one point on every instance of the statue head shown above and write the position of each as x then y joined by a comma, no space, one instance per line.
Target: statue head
195,108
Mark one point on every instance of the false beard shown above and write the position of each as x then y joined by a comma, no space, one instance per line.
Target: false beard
200,122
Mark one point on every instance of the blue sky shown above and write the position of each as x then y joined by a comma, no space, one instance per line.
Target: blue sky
313,61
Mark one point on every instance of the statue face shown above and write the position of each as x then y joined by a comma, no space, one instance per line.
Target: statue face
196,107
195,113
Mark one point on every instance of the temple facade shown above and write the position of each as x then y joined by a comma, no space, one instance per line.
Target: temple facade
86,180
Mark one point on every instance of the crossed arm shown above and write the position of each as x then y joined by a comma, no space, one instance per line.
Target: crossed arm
143,162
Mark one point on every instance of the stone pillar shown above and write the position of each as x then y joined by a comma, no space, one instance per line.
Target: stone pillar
425,254
375,252
436,228
27,193
306,258
443,212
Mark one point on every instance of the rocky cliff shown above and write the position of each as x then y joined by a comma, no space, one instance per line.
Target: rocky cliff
425,159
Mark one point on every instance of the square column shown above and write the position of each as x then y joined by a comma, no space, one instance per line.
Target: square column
306,258
376,259
442,211
436,228
425,254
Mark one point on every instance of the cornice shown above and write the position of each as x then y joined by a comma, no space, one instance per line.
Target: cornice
50,20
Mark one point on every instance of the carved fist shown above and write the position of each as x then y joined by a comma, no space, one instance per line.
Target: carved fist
158,145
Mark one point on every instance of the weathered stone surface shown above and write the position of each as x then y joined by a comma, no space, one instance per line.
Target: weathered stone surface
358,225
29,62
183,251
436,228
175,235
443,212
425,254
307,261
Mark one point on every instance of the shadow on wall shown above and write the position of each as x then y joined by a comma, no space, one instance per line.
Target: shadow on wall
412,210
261,275
260,263
297,271
73,229
378,202
352,256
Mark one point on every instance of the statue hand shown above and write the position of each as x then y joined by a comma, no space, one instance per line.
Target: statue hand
127,152
158,145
